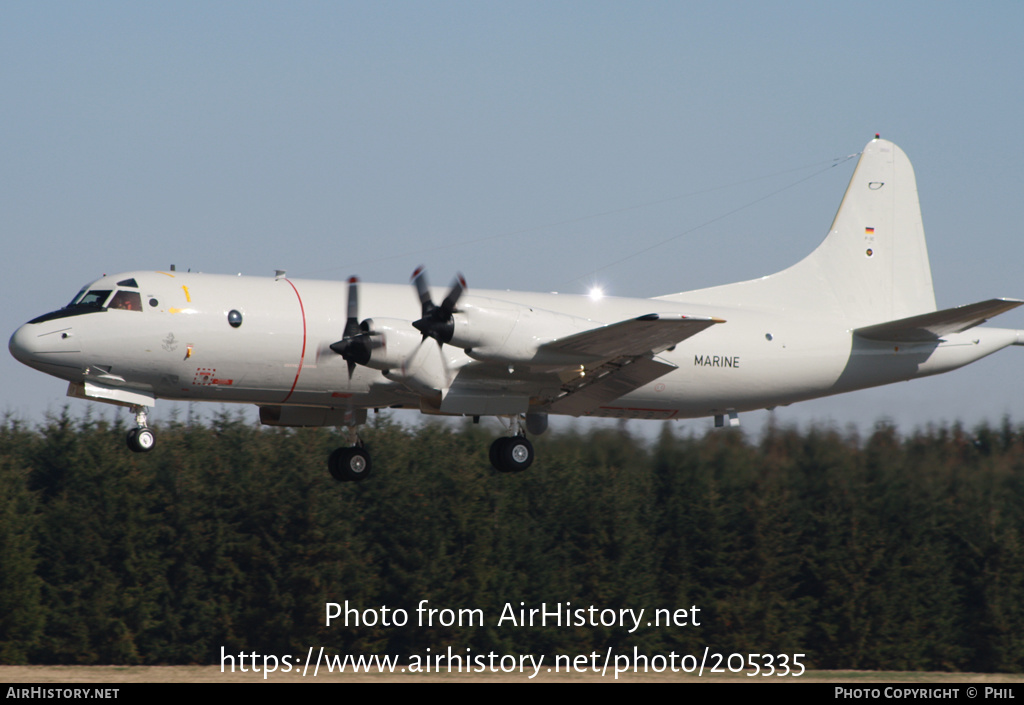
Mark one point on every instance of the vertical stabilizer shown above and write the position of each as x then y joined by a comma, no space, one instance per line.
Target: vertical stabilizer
873,264
874,259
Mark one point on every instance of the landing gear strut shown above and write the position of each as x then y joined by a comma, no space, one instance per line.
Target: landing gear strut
350,464
512,453
141,439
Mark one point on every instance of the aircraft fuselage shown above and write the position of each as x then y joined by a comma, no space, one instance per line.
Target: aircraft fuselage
182,346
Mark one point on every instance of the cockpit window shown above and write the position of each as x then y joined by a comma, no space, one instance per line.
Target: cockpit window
128,282
78,296
95,298
87,301
127,300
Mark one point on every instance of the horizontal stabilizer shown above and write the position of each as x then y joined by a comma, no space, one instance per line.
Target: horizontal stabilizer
649,334
929,327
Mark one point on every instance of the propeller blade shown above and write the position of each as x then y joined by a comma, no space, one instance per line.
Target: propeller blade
419,280
458,287
352,324
355,345
436,321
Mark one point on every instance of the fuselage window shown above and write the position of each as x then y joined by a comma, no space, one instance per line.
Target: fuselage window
126,300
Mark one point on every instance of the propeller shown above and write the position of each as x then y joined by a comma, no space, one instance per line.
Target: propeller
356,342
436,321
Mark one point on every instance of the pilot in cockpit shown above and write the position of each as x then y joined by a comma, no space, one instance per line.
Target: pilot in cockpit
126,300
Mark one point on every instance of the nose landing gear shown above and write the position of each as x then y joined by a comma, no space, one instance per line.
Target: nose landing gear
141,439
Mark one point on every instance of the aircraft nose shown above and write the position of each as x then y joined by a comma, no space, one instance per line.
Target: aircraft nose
46,343
23,344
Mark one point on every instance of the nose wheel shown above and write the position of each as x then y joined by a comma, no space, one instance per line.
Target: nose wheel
141,439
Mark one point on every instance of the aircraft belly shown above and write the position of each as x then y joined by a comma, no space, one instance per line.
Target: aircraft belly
723,369
328,384
754,378
706,384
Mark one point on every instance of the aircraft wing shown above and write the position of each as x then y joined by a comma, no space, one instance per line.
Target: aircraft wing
624,353
929,327
578,373
650,334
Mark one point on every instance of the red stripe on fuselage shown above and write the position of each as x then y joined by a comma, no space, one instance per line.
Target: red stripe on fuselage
298,372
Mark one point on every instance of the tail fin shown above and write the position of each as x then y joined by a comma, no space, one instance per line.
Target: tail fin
874,258
873,264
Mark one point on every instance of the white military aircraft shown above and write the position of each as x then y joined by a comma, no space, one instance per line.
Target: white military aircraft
858,312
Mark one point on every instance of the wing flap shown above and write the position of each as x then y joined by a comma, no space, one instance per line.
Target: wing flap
932,326
606,383
623,355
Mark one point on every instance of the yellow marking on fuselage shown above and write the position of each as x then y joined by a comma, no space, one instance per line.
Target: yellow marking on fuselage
166,274
187,297
181,310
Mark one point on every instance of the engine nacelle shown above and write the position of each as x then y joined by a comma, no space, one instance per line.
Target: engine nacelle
401,352
394,342
496,331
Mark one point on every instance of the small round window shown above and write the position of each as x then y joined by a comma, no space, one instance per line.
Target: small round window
234,318
154,303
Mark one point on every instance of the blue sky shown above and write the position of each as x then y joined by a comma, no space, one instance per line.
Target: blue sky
527,145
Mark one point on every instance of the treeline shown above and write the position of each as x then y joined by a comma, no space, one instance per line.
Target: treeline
886,552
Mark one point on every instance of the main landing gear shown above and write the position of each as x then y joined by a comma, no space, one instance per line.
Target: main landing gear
508,454
512,453
352,463
141,439
349,464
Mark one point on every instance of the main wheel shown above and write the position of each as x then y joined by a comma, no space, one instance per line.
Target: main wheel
349,464
141,440
513,454
495,452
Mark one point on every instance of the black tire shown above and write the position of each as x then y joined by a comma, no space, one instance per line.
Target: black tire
349,464
495,452
141,440
514,454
